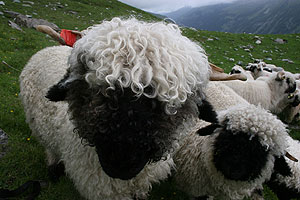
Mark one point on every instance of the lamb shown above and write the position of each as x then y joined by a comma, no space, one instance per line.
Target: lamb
234,161
117,101
271,93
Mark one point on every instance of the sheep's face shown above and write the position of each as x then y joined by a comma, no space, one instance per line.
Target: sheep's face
128,88
236,70
127,131
246,140
239,157
284,82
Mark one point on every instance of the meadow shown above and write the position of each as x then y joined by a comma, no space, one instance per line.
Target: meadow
24,158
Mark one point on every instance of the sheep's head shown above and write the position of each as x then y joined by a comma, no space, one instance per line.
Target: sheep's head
236,69
247,140
284,82
128,87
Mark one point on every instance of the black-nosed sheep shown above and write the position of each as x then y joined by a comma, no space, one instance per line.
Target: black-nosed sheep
117,101
234,161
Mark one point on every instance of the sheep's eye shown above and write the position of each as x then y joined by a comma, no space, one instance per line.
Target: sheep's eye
290,96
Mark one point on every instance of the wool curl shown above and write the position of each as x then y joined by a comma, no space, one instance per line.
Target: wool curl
139,55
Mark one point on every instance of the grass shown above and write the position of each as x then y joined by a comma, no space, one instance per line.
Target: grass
25,158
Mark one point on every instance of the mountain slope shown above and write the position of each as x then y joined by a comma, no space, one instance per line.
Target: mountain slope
253,16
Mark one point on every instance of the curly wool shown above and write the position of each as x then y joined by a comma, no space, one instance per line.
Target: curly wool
139,55
50,123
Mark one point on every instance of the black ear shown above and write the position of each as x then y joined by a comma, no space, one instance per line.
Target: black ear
207,112
59,91
208,130
281,166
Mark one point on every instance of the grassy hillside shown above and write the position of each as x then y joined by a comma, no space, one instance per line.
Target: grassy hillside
25,159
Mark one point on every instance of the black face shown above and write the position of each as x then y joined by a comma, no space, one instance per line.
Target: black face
296,101
127,131
235,71
291,86
237,157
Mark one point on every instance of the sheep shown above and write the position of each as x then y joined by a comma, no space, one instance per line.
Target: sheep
259,70
239,169
286,184
271,93
115,104
234,161
240,70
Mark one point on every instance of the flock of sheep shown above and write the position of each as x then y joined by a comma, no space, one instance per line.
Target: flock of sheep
131,104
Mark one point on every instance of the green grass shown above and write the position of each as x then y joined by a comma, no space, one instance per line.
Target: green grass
25,159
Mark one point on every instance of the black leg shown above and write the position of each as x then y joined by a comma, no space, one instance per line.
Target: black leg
55,171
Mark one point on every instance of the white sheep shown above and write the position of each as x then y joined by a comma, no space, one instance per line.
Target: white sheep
240,70
118,101
260,69
271,93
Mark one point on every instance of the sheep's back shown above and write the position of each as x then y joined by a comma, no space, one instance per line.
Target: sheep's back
255,92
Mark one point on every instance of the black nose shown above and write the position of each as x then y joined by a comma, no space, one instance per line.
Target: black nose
121,162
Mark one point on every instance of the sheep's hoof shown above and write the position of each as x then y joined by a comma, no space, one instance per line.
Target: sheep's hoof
55,171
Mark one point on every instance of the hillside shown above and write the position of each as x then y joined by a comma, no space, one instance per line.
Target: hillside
253,16
24,157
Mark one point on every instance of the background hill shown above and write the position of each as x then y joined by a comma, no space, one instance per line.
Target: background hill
252,16
23,156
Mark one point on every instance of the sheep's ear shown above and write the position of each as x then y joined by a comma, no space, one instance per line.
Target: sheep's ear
59,91
208,130
281,166
207,112
280,76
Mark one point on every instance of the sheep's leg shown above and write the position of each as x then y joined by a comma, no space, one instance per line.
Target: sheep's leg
56,169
